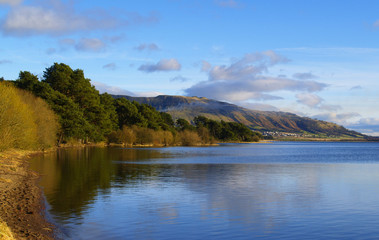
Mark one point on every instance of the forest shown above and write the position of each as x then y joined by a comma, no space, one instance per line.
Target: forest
63,107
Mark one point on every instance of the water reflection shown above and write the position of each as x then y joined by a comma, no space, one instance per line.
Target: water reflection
73,177
216,193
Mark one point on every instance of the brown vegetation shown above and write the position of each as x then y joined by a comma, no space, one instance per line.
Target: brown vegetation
5,232
26,122
139,136
136,135
188,138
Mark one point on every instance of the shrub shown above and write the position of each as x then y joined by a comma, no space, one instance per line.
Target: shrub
26,122
189,138
45,119
17,128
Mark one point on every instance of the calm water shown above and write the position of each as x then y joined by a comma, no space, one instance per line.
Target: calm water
234,191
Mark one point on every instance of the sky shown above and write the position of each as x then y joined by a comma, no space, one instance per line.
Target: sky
314,58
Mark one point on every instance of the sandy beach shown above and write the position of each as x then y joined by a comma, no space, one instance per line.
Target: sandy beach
21,203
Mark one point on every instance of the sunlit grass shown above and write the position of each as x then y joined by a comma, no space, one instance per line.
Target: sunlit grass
5,232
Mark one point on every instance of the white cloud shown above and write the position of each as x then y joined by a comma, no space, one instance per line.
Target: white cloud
376,23
369,121
259,106
11,2
369,126
147,46
329,107
28,19
110,66
247,67
162,65
83,44
179,78
308,99
67,42
90,45
357,87
205,66
5,61
148,94
51,51
304,76
60,18
102,87
341,118
316,102
115,39
243,79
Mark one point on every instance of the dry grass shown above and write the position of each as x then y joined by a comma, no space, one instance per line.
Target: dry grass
6,180
5,232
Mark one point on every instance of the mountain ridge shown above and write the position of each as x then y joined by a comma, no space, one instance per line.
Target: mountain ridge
263,121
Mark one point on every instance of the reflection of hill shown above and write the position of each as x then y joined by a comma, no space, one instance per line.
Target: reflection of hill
190,107
72,179
255,194
294,190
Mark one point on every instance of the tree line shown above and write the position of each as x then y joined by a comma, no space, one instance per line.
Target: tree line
77,112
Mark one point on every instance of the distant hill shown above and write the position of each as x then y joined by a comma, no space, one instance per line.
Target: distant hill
263,121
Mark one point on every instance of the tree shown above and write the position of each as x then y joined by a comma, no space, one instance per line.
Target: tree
58,76
128,113
225,131
108,103
70,116
167,119
74,85
27,81
183,124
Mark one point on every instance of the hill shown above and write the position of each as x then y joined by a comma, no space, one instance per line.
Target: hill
269,122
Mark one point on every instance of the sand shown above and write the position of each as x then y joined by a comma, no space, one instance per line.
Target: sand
21,200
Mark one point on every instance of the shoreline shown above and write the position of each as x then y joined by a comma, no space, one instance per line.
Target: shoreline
22,204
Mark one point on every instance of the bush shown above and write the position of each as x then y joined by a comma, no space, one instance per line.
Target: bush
26,122
189,138
45,119
17,128
128,136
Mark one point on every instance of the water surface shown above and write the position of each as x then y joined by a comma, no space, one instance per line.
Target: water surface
233,191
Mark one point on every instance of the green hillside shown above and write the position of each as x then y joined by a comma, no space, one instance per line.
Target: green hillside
264,121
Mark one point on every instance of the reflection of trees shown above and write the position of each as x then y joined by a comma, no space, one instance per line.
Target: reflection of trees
73,177
257,196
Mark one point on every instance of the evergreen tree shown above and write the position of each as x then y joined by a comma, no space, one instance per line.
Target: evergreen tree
128,114
71,119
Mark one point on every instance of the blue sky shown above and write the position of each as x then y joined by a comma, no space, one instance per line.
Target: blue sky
313,58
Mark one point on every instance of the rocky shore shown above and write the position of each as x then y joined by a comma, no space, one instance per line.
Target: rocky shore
21,203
